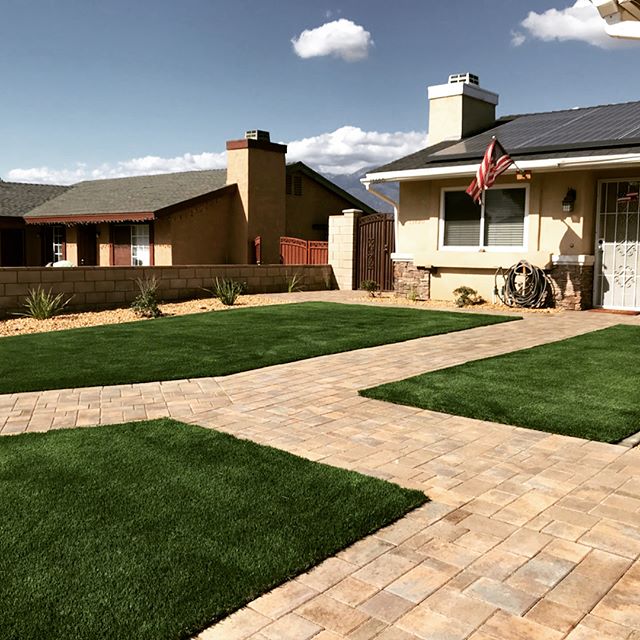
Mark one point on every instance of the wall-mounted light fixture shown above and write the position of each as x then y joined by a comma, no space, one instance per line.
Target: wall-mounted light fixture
569,201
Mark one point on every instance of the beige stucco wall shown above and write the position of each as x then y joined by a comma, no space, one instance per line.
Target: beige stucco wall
457,116
196,234
549,231
162,249
71,239
104,246
313,207
260,178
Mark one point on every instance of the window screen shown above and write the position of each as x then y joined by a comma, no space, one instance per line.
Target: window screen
504,217
462,220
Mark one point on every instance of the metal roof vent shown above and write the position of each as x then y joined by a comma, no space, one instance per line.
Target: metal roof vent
257,134
468,78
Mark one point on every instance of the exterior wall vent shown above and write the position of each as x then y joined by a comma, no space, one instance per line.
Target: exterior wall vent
257,134
468,78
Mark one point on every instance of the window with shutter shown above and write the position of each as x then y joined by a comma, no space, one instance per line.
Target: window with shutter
462,220
504,217
499,222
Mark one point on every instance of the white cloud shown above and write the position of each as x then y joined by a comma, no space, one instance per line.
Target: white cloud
348,149
517,38
133,167
581,21
345,150
341,38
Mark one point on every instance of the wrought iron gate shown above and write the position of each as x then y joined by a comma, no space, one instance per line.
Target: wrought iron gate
373,256
617,272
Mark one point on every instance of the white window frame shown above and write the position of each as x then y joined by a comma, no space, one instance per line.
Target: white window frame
481,247
134,228
58,238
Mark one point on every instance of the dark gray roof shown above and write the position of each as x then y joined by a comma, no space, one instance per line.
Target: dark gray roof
139,194
604,130
16,198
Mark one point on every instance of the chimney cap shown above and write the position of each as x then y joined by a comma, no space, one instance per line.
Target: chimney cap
258,134
468,78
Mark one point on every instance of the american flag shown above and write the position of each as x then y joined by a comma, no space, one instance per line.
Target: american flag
495,162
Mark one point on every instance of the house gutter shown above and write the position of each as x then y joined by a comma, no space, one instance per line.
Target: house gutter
548,164
388,200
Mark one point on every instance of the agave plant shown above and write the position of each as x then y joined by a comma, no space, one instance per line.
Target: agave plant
41,304
227,291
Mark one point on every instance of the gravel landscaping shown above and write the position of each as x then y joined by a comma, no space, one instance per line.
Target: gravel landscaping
19,325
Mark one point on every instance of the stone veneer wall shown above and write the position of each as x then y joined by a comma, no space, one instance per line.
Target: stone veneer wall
409,279
572,286
108,287
572,283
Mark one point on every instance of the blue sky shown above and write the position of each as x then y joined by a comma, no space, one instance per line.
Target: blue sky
95,89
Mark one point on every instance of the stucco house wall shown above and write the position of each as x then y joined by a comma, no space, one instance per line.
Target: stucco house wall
307,214
548,232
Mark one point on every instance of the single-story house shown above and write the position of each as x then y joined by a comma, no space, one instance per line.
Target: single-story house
15,200
572,209
194,217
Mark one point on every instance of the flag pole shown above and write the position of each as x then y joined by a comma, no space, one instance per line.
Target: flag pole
518,169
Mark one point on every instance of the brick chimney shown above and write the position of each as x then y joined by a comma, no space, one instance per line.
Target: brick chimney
257,166
459,108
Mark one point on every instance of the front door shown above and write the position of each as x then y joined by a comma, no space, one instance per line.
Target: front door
121,238
617,274
87,245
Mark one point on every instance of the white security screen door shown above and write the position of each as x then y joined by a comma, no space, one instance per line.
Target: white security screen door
617,271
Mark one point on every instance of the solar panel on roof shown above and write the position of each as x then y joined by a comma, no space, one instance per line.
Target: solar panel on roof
593,125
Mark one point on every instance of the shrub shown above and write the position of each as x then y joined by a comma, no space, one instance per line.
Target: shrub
466,297
412,294
145,303
41,304
371,287
293,283
227,291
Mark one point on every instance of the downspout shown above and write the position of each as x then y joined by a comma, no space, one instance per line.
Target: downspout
385,198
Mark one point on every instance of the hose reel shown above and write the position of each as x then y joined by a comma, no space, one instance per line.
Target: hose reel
524,285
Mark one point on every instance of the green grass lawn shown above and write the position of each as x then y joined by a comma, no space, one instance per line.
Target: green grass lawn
585,386
211,344
155,530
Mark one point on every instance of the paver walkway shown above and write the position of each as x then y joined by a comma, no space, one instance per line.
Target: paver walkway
528,536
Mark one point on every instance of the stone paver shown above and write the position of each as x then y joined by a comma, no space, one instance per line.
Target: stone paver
529,535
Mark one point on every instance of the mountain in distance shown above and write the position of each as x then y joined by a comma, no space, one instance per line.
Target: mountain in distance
350,182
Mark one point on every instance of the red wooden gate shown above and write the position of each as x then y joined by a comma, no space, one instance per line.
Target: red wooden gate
298,251
375,244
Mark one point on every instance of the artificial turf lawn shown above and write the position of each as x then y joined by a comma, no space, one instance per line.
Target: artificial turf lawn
155,530
211,344
585,386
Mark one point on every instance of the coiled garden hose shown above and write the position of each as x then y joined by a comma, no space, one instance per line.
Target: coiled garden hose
524,285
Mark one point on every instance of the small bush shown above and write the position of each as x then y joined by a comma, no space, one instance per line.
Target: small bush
41,304
466,297
145,303
413,295
293,283
227,291
371,287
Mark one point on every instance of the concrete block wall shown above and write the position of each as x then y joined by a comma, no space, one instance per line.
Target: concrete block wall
108,287
343,246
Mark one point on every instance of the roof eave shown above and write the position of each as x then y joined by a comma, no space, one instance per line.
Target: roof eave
138,216
540,164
